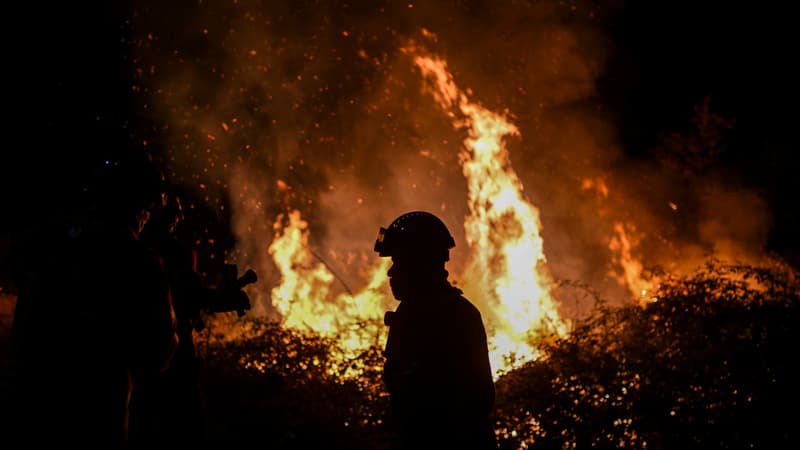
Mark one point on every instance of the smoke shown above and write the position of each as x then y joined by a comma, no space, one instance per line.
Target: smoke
268,106
734,222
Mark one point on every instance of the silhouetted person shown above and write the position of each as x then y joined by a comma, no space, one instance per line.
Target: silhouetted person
173,412
437,369
93,314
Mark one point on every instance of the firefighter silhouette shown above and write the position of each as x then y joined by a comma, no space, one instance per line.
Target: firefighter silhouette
174,409
437,369
93,314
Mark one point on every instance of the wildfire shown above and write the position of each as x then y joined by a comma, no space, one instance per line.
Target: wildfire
506,268
505,274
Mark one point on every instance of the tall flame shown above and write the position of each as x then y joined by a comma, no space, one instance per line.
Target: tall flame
505,274
506,268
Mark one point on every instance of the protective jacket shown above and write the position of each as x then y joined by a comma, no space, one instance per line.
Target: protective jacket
93,316
437,372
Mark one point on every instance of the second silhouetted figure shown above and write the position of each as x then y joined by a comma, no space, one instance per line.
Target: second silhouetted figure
437,369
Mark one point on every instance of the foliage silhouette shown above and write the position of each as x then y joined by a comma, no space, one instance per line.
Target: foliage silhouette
283,388
710,364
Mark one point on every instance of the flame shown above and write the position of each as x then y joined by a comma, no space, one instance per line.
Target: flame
506,268
302,297
632,269
598,185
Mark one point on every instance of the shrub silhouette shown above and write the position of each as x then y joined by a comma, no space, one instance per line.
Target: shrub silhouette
283,389
710,364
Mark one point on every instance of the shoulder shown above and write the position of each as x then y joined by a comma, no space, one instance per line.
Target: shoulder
466,322
464,308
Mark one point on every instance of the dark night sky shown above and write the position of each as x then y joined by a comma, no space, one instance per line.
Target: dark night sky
67,70
674,53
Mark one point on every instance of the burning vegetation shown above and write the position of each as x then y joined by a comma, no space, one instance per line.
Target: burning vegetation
627,304
706,365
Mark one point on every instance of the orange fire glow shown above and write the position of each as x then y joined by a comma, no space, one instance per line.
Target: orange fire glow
506,274
302,298
506,271
632,270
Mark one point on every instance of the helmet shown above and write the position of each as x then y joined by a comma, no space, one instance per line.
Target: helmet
416,232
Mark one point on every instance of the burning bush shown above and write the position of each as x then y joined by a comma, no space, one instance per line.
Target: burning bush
287,389
708,365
